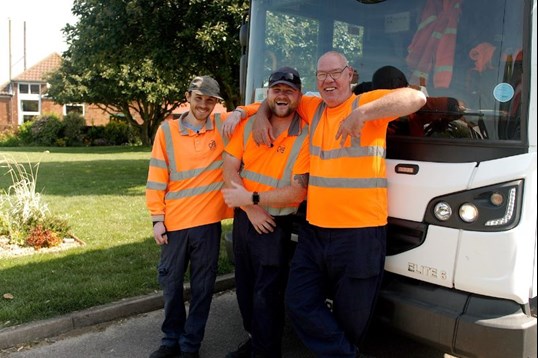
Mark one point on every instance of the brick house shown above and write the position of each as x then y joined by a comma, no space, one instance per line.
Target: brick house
25,98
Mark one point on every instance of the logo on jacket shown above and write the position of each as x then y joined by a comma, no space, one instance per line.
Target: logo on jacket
212,145
281,149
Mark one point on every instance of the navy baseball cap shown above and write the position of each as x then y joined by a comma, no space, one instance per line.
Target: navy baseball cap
286,75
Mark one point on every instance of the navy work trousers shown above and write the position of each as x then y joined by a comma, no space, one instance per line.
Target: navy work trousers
261,270
345,265
198,246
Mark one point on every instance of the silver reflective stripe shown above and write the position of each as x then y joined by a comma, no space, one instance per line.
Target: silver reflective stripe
193,191
350,183
293,154
259,178
186,174
317,117
218,124
293,130
169,147
280,211
247,130
181,175
355,151
155,185
159,163
176,175
348,152
319,112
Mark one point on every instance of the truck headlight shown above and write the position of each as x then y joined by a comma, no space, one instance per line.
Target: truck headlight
490,208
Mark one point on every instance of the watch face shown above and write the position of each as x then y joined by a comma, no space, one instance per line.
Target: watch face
255,198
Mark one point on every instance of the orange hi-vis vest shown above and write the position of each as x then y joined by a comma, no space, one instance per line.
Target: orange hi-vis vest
266,168
185,175
347,186
434,43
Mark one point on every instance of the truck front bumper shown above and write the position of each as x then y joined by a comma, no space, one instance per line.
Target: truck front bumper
462,324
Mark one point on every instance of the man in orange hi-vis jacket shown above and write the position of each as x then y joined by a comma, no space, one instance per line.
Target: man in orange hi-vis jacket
186,205
341,249
266,186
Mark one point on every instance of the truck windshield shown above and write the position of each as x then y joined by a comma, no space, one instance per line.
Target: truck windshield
468,56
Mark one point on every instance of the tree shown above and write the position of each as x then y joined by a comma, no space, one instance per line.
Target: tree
137,57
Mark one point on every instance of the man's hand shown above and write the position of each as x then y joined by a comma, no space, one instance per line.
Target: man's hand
262,131
260,219
236,196
351,126
228,126
159,233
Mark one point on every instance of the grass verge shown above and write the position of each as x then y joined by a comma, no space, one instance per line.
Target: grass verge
100,191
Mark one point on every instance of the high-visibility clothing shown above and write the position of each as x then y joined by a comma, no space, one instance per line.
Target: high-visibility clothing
434,42
267,168
185,175
347,186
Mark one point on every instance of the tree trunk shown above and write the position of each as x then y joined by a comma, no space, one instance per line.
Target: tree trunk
145,136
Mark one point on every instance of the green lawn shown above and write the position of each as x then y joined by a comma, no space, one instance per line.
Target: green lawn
100,190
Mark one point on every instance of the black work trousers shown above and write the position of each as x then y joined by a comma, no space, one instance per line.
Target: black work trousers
261,271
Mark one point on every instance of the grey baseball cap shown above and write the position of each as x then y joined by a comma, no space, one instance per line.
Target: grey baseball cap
206,86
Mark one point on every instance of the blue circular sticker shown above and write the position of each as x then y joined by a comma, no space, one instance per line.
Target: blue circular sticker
503,92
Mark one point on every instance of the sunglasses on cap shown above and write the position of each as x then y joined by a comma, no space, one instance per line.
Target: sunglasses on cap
285,76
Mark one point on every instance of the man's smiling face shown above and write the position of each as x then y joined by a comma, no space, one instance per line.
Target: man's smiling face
283,99
335,83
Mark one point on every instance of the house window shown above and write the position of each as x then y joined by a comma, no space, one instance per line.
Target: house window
28,118
29,101
30,106
29,109
74,108
29,88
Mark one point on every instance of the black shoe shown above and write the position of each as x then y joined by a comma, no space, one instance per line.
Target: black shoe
190,355
166,352
243,351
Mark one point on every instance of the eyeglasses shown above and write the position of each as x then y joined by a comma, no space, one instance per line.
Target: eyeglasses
285,76
334,75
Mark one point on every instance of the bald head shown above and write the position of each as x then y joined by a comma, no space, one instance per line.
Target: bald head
335,57
334,76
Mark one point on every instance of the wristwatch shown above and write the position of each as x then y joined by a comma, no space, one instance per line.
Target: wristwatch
255,198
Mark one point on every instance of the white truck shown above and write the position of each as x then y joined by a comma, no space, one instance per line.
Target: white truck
461,259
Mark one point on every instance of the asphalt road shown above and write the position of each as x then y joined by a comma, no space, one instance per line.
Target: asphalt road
138,336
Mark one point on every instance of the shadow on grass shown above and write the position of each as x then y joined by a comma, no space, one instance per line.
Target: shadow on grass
49,285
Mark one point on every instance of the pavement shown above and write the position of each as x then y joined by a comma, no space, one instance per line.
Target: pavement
20,335
130,328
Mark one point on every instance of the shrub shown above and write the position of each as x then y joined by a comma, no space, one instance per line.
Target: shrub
9,138
4,226
25,133
93,134
22,209
74,124
118,133
57,225
46,130
40,237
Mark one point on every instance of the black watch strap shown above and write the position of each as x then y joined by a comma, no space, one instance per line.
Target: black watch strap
255,198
